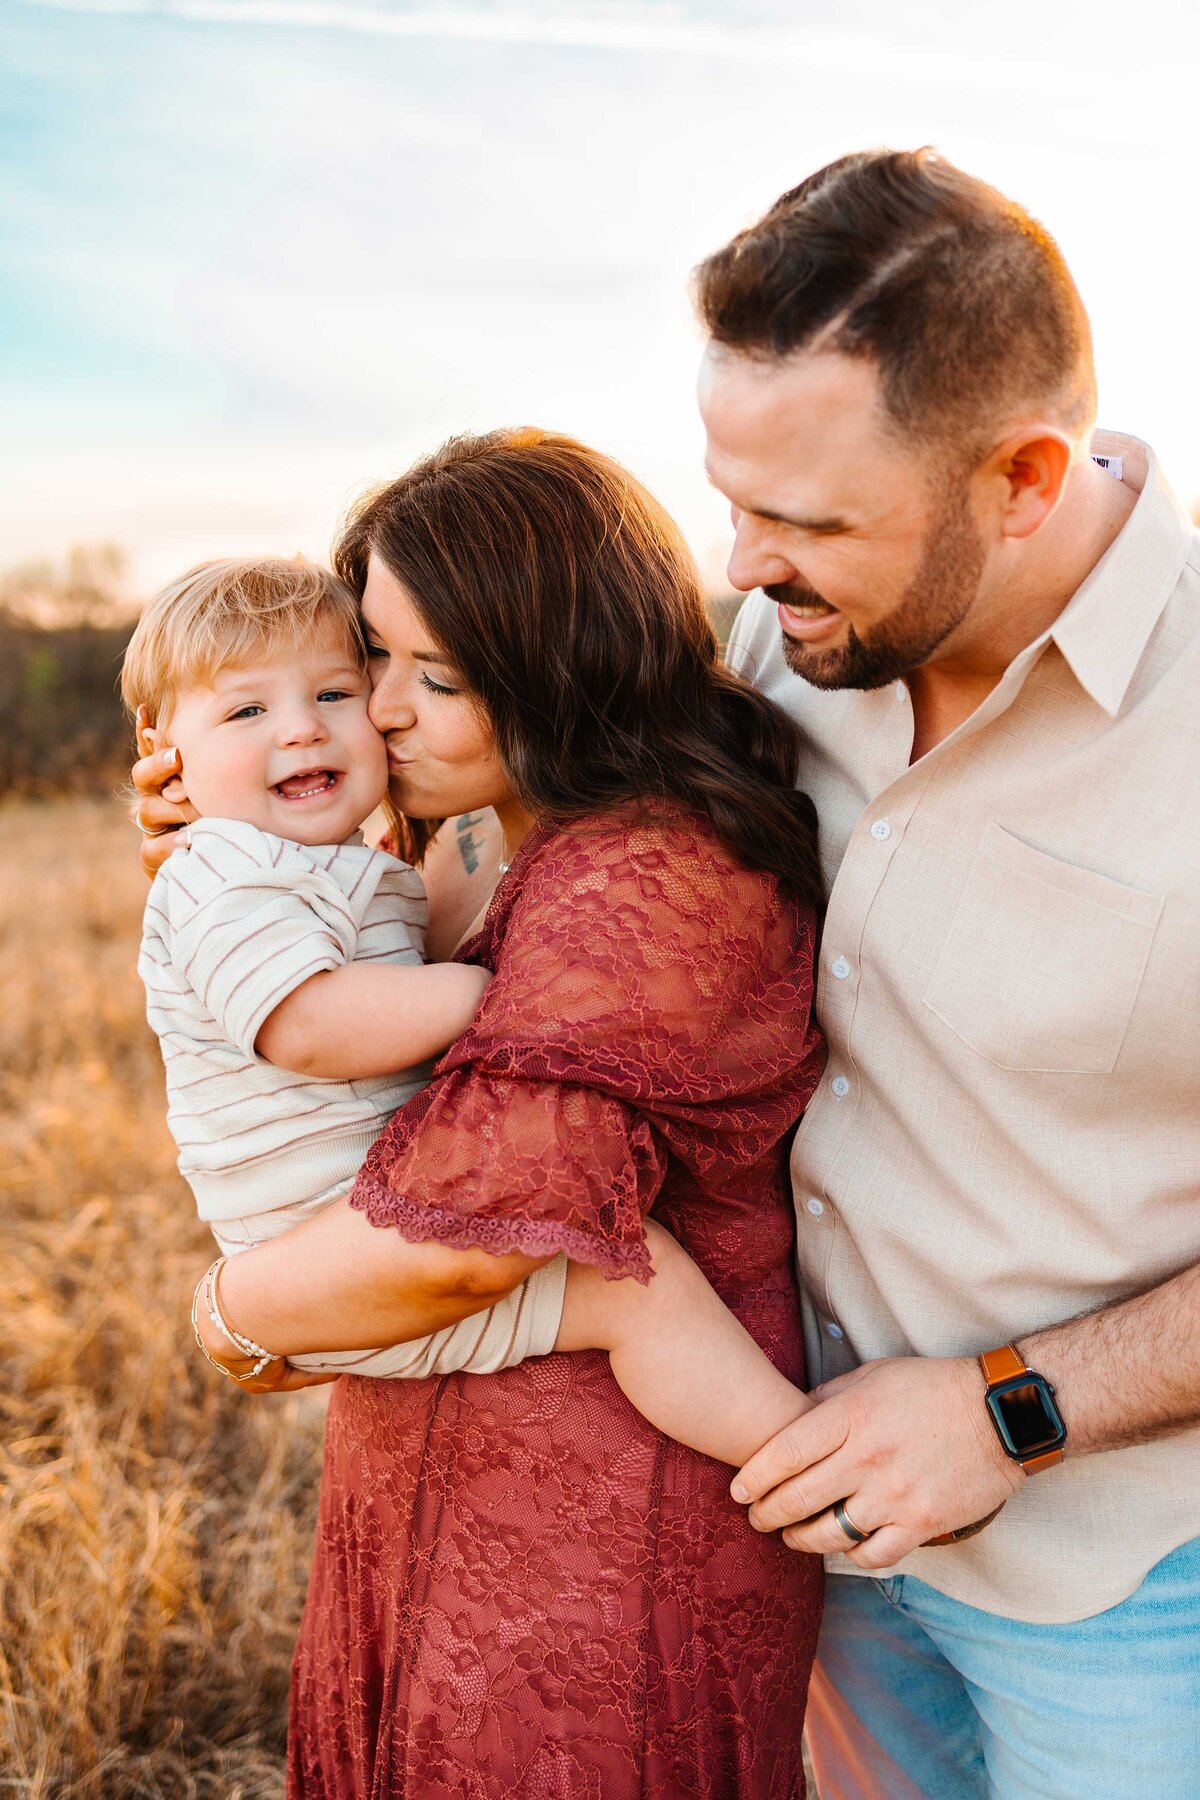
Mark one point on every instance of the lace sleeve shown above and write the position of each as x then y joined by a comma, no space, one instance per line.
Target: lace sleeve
498,1164
641,976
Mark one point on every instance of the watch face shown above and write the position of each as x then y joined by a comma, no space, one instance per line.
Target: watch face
1026,1417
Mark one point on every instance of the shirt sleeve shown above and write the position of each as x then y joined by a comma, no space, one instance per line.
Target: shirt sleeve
251,919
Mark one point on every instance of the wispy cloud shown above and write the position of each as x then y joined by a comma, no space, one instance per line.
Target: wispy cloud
757,35
256,252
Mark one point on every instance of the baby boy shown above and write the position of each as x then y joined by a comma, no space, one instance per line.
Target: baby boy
280,912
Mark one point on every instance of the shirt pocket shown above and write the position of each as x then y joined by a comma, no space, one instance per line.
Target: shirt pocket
1043,961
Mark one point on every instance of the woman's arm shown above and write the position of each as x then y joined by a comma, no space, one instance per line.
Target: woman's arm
460,871
338,1283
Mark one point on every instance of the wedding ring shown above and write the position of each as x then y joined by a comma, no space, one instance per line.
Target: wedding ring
847,1524
146,831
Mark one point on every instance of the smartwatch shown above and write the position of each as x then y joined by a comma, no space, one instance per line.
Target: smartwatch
1023,1410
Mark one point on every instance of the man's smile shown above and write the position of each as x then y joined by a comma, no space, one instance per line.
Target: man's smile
810,623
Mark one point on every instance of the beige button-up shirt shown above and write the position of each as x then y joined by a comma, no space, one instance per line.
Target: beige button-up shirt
1008,1129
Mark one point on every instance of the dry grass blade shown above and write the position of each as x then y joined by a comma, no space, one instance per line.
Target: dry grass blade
154,1524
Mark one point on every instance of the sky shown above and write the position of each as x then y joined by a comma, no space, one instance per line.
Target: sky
256,255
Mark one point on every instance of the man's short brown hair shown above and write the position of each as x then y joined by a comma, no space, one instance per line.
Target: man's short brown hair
962,300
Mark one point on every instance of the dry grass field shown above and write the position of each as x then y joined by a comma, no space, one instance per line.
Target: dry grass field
154,1524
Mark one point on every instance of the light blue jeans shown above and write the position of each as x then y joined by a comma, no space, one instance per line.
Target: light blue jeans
918,1697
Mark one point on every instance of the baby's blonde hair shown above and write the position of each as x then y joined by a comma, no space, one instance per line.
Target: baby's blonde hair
226,613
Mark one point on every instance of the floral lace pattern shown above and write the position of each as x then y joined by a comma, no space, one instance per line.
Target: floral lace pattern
520,1587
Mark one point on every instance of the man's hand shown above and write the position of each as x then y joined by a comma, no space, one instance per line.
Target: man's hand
905,1443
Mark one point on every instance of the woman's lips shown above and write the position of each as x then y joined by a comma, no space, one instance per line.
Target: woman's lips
808,627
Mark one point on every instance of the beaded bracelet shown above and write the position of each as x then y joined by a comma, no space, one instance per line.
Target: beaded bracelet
209,1282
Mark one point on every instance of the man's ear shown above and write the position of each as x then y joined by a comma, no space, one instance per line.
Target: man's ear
1028,472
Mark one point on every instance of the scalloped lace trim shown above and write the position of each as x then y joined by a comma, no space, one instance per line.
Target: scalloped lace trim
420,1224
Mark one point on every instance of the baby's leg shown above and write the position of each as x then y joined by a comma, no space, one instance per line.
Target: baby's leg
679,1354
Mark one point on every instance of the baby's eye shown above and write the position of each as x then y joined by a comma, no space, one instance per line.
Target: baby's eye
245,712
333,694
437,687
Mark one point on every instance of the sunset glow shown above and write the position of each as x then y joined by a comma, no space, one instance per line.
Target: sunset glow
259,253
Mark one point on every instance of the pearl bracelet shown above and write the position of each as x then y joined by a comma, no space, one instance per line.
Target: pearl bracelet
209,1283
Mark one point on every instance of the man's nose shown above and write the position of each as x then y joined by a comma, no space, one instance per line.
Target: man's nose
755,561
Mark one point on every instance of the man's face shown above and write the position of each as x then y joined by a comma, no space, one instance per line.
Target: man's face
872,563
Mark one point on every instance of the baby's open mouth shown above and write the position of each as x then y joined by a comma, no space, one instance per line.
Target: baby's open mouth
312,781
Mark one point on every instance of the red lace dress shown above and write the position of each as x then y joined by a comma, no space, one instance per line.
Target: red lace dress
522,1591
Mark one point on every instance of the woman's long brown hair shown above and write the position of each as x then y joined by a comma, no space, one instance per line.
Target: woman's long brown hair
569,604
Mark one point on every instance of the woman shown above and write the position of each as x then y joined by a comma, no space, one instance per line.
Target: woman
520,1587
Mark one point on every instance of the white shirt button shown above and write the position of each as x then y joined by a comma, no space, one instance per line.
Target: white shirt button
815,1207
901,691
840,1085
840,968
881,830
835,1331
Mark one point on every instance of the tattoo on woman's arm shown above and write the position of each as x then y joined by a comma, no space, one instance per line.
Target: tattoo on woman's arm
469,845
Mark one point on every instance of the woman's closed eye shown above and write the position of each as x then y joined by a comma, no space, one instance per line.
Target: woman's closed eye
437,687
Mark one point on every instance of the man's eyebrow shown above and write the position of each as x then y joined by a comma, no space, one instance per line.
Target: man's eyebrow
833,523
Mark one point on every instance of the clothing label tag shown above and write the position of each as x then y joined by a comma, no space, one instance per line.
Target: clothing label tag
1114,464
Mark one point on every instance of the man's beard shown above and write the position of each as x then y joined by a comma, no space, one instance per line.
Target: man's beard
937,599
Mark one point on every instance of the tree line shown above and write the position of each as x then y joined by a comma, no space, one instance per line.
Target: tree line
63,631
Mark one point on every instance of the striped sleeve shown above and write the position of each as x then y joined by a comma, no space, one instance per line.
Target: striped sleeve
251,919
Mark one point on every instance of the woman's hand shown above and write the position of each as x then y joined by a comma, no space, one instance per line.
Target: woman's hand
161,808
279,1377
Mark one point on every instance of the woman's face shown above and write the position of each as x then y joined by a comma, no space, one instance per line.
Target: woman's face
440,749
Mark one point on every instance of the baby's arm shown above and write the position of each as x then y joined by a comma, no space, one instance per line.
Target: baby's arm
679,1354
371,1018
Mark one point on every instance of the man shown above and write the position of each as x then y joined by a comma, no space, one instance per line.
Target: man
992,639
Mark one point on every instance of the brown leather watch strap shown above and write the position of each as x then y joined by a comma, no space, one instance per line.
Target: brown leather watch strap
1046,1461
1000,1365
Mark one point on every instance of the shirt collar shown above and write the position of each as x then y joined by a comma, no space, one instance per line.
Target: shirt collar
1104,628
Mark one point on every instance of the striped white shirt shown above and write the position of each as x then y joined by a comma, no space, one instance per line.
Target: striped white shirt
232,927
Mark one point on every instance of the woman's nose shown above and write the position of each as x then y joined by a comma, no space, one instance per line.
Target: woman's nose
390,707
754,561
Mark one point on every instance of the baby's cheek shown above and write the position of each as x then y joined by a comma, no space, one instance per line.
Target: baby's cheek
370,760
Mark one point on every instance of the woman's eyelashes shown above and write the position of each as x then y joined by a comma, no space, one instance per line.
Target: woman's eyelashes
437,687
379,653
